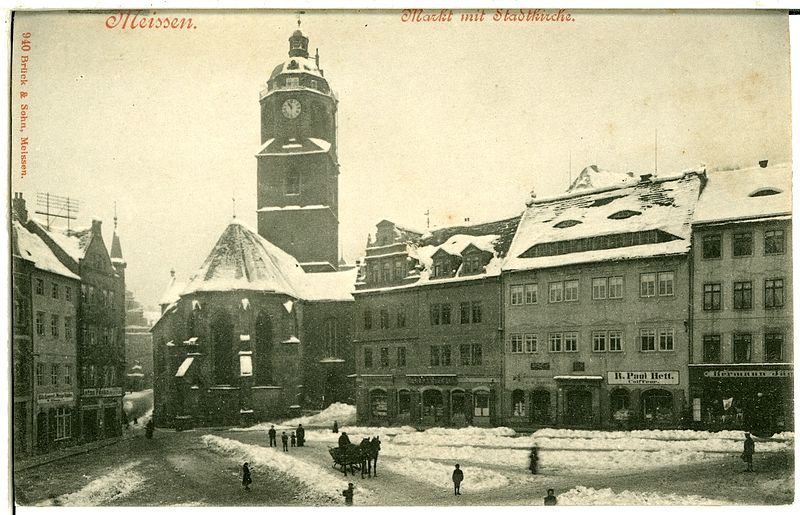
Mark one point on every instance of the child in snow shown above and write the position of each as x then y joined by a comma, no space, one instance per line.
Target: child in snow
294,439
285,441
348,494
550,500
749,450
246,479
458,477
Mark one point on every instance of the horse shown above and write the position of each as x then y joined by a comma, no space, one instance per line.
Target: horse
369,450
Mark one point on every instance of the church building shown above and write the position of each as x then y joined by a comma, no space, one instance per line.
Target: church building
262,330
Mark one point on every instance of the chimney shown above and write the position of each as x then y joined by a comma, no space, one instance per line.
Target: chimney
316,58
18,205
763,163
96,226
645,178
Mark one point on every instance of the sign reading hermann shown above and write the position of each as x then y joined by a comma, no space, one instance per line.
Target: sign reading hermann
646,377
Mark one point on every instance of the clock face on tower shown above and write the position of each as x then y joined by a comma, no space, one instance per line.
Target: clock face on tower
291,108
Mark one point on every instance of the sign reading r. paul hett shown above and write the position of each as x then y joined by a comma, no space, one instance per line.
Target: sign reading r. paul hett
644,377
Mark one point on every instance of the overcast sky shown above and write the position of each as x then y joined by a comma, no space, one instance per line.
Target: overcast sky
461,119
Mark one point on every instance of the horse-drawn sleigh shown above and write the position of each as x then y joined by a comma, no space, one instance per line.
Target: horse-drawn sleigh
363,457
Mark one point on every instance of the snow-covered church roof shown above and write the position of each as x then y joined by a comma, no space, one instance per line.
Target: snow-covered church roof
649,218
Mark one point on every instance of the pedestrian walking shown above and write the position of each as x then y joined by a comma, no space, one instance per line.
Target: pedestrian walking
348,495
550,500
272,434
285,441
458,477
246,478
148,429
534,465
301,436
293,439
335,426
749,450
344,440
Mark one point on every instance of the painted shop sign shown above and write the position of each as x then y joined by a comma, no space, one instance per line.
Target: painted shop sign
427,380
47,398
748,373
111,391
644,377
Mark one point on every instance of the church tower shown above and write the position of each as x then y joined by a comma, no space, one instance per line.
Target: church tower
298,167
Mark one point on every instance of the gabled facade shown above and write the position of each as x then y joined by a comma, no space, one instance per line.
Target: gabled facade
427,317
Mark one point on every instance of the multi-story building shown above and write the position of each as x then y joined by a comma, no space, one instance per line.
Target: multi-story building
427,318
53,343
596,288
138,346
741,354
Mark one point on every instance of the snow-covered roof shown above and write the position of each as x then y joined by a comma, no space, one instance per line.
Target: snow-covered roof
293,146
648,218
593,177
330,286
746,193
243,260
32,248
293,208
74,242
173,291
301,65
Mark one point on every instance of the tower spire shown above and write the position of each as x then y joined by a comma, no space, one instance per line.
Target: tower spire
115,216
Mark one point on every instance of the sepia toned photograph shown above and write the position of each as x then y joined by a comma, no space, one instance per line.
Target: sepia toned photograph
406,257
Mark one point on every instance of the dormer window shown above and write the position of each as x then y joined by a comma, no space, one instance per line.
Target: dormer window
566,223
621,215
293,82
292,65
313,84
438,268
473,264
765,192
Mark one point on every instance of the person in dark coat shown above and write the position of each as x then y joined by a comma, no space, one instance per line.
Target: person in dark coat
749,450
301,436
344,441
272,437
458,477
148,429
285,441
550,500
293,439
335,426
348,494
534,465
246,478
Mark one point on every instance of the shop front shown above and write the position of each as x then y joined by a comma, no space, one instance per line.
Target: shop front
756,397
101,413
54,420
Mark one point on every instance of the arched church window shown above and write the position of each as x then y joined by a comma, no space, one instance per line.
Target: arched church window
263,349
222,347
331,338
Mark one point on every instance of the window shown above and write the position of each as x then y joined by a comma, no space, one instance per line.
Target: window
615,287
599,288
481,404
401,356
773,242
742,344
666,340
742,244
570,291
367,319
711,348
471,354
40,323
773,347
384,318
445,314
367,358
531,293
293,183
438,268
571,342
67,374
477,354
39,287
436,314
666,284
67,293
435,358
440,355
555,342
712,246
743,295
516,344
531,341
648,340
473,264
55,290
40,374
517,295
387,272
331,338
68,328
518,403
465,312
599,341
54,326
556,292
293,82
55,371
384,357
312,84
401,316
615,341
712,297
773,293
63,418
399,271
477,312
647,285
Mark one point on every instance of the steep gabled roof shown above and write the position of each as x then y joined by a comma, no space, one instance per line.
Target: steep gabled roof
32,248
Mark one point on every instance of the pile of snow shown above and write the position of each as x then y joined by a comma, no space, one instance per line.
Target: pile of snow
437,474
116,484
644,444
323,487
585,496
471,436
342,413
653,434
591,462
460,453
356,433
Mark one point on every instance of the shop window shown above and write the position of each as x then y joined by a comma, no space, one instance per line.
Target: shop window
540,407
432,405
712,246
742,347
773,242
773,347
711,348
657,406
404,403
518,403
712,297
620,400
742,244
481,404
743,295
773,293
378,402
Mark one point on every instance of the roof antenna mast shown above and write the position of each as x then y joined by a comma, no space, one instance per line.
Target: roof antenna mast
656,152
234,204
